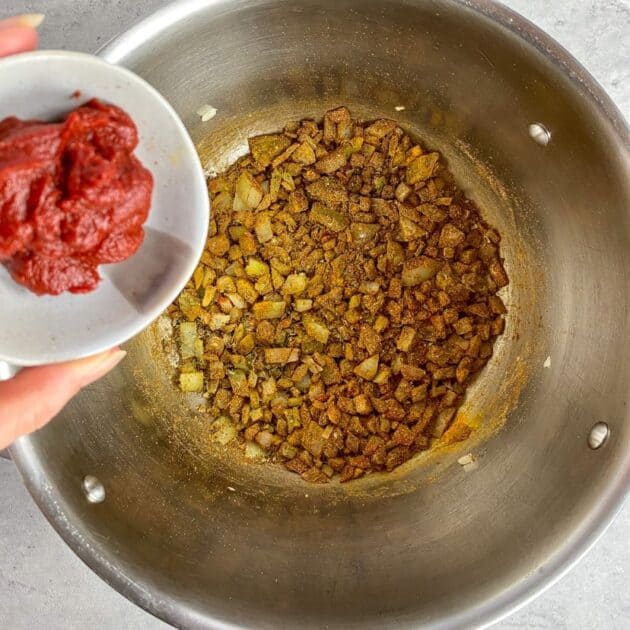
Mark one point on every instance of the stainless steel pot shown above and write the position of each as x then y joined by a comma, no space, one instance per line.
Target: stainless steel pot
203,539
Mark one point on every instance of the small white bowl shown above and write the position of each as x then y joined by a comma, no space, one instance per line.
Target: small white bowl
38,330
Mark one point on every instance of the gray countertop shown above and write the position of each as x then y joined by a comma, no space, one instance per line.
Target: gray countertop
42,583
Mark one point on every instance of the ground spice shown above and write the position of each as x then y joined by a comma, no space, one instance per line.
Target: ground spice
346,298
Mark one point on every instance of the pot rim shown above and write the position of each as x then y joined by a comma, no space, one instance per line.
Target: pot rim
482,614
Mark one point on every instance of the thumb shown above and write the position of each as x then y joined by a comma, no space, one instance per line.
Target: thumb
35,395
18,34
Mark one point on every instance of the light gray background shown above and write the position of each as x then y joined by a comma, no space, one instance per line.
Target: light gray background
42,583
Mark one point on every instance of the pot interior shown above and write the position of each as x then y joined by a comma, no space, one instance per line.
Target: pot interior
199,536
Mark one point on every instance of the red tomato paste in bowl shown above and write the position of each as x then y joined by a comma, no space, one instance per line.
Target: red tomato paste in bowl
72,197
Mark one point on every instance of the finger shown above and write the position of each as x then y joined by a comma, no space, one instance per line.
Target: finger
18,34
36,395
17,39
32,20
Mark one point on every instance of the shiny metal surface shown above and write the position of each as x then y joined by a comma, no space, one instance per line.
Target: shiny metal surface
204,540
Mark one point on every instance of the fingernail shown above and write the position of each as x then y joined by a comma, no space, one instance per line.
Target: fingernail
31,20
92,368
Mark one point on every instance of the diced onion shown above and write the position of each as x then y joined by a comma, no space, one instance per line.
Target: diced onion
207,112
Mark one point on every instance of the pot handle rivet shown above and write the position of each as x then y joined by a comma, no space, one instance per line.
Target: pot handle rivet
93,489
598,435
540,134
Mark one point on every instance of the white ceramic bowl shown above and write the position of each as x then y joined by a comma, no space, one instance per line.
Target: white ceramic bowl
36,330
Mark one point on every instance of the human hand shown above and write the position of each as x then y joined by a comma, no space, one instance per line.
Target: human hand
37,394
19,34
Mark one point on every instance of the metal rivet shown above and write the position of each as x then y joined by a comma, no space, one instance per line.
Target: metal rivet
94,489
598,435
540,134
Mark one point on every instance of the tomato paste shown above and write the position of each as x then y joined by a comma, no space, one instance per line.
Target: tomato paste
72,197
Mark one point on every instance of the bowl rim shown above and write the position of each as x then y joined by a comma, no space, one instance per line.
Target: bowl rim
117,336
485,612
